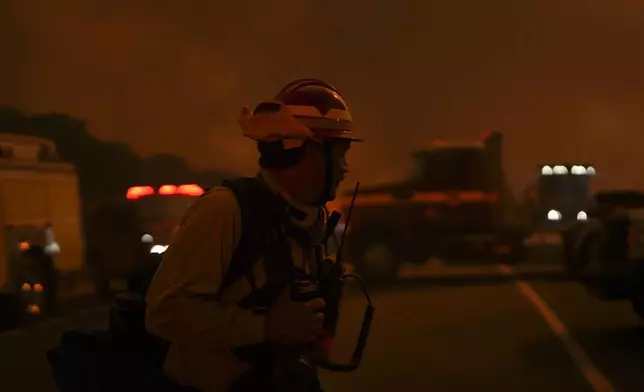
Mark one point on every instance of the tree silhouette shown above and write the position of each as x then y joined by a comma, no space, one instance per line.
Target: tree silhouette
163,169
105,169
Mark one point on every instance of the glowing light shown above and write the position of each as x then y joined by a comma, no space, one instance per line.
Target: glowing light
137,192
560,170
147,238
590,171
168,190
581,215
158,249
578,170
546,171
190,190
554,215
33,309
52,249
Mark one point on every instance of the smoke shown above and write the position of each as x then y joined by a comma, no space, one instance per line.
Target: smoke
563,80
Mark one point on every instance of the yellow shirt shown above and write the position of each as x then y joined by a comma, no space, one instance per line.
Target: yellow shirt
181,306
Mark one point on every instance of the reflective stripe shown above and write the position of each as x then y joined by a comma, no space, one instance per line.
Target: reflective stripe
456,197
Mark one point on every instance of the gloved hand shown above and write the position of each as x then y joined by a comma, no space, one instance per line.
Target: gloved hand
290,322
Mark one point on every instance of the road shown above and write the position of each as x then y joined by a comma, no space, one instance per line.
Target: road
452,330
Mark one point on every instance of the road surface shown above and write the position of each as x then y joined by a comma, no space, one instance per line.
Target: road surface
453,330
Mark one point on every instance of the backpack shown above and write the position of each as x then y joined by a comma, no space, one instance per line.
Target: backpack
127,357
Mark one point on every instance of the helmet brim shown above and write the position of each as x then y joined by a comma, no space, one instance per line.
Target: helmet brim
336,134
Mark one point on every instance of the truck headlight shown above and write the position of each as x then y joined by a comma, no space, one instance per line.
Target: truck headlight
158,249
52,249
554,215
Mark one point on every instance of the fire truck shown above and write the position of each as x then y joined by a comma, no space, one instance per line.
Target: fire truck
122,233
161,210
454,206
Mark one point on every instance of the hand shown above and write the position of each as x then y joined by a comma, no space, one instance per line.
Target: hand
290,322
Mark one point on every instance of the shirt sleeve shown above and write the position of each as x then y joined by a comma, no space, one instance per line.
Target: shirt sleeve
181,304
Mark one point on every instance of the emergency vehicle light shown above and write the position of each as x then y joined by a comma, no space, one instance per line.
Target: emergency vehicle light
168,190
190,190
137,192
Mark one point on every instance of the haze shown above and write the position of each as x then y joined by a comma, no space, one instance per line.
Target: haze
563,79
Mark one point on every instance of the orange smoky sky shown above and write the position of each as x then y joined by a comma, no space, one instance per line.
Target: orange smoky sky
563,79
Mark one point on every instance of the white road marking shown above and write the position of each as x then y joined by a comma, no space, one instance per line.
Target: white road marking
597,380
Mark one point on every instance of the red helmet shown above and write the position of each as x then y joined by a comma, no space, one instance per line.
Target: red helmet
303,109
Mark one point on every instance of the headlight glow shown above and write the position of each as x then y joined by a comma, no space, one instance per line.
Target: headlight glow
158,249
554,215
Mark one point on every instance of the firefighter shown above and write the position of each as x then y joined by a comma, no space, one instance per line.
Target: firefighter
208,317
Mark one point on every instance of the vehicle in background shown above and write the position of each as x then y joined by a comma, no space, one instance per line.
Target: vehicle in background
563,195
40,199
124,234
161,210
455,206
606,252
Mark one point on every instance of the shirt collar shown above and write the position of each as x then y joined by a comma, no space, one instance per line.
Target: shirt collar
311,213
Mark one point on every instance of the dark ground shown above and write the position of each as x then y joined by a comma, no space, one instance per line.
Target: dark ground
447,330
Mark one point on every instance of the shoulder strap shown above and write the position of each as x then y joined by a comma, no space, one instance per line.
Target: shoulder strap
256,225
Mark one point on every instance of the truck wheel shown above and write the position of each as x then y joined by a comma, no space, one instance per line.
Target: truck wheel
637,293
377,264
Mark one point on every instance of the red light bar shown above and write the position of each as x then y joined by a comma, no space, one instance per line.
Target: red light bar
168,190
137,192
190,190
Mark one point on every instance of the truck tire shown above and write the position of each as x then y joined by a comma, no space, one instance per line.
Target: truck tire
637,289
377,263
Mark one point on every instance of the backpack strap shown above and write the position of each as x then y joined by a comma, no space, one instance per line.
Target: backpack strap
251,196
263,216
